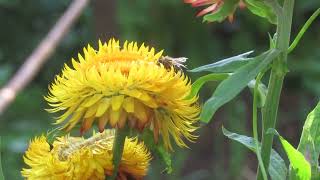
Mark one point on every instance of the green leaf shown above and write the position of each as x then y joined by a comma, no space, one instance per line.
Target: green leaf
262,92
277,168
226,9
196,86
232,86
272,40
157,149
260,8
310,140
226,65
1,172
301,167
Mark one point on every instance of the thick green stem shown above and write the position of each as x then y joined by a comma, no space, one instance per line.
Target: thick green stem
278,71
117,149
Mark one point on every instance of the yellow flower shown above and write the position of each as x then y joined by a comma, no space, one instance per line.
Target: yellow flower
78,158
115,85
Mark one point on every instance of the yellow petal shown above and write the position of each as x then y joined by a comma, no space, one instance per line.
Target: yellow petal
116,102
128,104
91,100
91,111
103,107
114,117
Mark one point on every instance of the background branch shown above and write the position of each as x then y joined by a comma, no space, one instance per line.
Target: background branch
43,51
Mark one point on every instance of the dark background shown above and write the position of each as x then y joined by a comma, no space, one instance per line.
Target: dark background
169,25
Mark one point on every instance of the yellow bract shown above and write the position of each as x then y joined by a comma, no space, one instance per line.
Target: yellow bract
117,85
78,158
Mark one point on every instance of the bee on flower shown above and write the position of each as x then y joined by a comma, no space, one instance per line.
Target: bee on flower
77,158
129,84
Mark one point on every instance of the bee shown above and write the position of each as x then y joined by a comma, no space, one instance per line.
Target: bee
169,62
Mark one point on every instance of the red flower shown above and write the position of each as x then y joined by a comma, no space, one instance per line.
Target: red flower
213,5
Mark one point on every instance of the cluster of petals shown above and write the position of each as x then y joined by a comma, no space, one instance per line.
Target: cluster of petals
212,6
78,158
115,86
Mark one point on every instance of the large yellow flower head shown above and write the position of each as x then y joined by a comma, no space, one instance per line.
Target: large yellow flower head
115,85
78,158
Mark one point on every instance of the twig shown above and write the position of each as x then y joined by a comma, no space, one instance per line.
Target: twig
34,62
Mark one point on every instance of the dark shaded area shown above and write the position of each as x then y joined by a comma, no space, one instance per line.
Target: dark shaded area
169,25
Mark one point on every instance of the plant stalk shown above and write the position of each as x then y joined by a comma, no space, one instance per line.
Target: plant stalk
255,127
278,72
118,146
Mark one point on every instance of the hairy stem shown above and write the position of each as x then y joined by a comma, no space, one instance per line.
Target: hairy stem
278,71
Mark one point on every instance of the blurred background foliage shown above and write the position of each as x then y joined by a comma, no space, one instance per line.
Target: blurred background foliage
164,24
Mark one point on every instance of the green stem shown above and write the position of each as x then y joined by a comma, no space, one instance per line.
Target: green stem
255,127
303,30
278,71
118,145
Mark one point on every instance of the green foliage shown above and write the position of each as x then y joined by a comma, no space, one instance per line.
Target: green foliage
300,166
260,8
157,149
225,65
310,140
196,86
255,124
261,92
277,168
164,24
304,29
1,172
232,86
5,72
226,9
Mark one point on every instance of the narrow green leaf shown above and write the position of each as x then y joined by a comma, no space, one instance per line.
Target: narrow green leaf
260,8
301,167
310,140
226,9
226,65
157,149
272,41
277,168
303,30
196,86
233,85
1,172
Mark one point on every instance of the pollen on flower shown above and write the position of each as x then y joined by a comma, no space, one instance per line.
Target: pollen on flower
79,158
129,84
